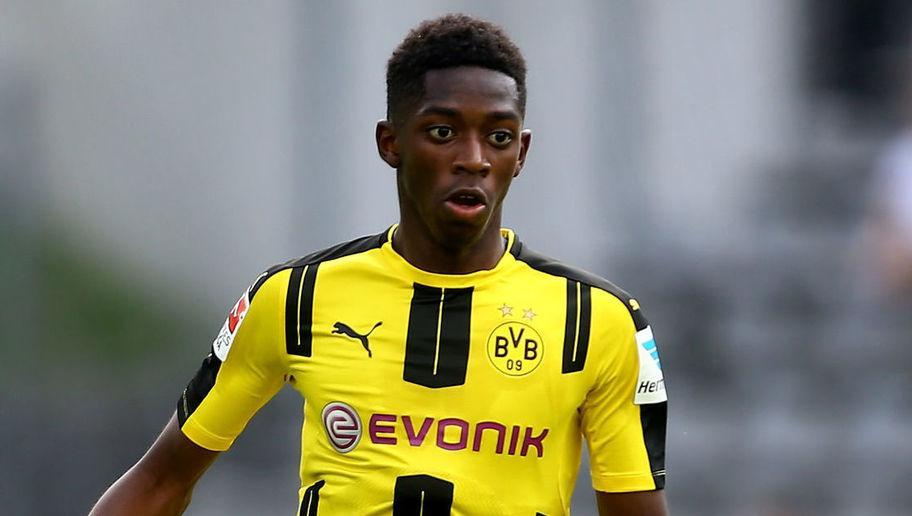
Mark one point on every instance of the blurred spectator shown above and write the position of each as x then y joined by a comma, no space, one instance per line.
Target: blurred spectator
892,217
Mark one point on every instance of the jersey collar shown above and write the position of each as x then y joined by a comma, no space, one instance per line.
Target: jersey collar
399,264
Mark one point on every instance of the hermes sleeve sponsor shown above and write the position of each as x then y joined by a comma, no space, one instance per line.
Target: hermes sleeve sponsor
650,386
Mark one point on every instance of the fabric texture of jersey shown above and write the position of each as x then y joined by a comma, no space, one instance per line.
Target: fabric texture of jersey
440,394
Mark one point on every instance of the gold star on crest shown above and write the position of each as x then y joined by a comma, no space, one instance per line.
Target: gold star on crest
506,310
528,314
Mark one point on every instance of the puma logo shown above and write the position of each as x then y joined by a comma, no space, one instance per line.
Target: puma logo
344,329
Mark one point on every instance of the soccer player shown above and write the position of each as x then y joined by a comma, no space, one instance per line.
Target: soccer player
446,368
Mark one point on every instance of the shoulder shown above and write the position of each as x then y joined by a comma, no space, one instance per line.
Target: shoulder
619,302
273,277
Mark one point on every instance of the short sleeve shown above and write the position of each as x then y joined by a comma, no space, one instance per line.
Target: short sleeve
624,414
243,370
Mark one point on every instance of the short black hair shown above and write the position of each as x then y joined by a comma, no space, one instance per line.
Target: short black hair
447,42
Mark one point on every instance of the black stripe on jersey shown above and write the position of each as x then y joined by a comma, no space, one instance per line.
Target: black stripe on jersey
292,311
299,299
198,388
570,320
576,329
551,266
299,310
437,343
422,494
204,380
653,418
305,317
311,500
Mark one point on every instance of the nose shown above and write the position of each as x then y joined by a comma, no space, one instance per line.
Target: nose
472,158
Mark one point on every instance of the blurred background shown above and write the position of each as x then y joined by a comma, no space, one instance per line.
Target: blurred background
743,167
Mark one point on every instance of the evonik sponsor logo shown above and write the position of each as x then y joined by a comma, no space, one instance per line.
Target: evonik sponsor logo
456,434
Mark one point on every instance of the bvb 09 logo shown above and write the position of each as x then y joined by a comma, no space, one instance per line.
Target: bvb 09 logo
515,348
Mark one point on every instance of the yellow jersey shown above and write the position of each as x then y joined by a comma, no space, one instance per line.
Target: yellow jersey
440,394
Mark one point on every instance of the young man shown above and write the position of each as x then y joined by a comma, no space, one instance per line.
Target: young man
445,367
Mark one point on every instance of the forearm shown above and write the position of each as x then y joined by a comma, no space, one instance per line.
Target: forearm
139,493
644,503
162,482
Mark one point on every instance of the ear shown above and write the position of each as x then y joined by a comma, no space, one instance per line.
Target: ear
387,146
525,141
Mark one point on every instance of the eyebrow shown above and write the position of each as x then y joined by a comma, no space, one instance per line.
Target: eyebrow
438,110
504,115
445,111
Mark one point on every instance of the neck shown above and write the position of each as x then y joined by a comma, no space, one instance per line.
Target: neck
415,243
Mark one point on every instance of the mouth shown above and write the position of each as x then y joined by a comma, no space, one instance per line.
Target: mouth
466,202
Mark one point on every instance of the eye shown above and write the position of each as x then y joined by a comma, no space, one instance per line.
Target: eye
441,133
500,138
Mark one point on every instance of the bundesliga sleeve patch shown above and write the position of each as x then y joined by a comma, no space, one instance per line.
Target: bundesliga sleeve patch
222,343
650,387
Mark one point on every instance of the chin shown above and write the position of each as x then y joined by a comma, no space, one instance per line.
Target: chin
460,234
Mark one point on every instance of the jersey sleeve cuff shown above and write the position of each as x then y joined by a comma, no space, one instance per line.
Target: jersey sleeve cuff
623,483
204,438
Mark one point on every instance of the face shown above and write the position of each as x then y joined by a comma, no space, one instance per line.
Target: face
456,153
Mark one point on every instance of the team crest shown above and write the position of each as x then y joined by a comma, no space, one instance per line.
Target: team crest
222,343
515,348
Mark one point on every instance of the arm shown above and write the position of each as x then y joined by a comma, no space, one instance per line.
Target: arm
624,418
161,483
243,370
643,503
